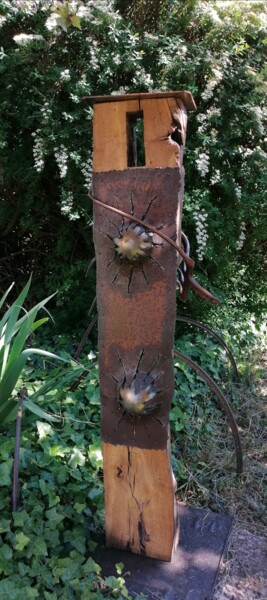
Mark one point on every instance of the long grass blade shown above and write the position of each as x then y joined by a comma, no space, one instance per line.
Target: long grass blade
3,299
11,315
40,412
13,372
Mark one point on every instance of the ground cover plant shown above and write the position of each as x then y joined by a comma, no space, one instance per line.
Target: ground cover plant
214,49
47,543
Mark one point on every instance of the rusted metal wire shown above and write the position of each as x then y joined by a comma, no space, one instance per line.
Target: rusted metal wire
189,261
191,282
228,411
216,337
15,492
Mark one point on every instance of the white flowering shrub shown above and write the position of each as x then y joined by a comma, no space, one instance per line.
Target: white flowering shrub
50,60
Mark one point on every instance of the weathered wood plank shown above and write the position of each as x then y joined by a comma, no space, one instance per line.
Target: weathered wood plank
160,150
110,139
140,505
184,95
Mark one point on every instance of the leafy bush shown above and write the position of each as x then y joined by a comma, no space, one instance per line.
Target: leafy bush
214,49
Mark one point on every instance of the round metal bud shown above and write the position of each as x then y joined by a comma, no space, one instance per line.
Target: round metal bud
136,403
134,243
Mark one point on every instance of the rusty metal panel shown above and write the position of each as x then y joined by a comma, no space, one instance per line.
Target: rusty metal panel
191,575
136,296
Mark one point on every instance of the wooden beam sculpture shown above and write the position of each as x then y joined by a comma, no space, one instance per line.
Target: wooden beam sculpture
136,296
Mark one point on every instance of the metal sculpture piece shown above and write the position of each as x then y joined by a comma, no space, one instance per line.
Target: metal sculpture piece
139,245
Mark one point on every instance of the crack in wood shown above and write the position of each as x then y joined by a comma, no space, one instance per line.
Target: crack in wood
144,537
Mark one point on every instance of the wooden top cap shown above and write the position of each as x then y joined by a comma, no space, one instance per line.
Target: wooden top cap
185,96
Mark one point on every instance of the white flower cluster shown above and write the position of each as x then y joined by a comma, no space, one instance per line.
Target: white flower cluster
87,173
2,53
205,118
202,162
38,154
200,217
84,12
242,237
216,177
238,191
66,207
208,91
245,151
46,112
22,39
65,75
61,157
94,64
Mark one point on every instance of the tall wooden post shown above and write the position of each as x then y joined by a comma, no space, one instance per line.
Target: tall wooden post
136,296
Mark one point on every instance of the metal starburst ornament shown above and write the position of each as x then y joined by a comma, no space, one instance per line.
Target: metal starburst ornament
134,243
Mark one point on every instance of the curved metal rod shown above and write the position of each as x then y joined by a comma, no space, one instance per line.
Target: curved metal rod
228,411
189,261
216,336
201,291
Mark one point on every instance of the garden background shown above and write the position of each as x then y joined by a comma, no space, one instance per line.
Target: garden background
53,55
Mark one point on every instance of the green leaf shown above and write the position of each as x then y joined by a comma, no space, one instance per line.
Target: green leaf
6,552
119,568
23,569
4,525
11,315
76,459
3,299
75,21
36,410
21,541
54,517
79,507
5,472
39,547
91,567
20,518
49,596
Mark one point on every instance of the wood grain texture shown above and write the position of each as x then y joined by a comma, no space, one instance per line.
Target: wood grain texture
136,312
140,505
110,135
183,95
160,150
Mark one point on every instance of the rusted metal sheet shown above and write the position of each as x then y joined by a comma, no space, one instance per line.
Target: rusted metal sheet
192,573
136,304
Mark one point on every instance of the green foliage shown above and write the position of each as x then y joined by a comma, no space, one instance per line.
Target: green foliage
48,542
46,545
216,50
14,332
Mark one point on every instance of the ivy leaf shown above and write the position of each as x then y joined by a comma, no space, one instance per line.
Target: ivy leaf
20,518
39,547
49,596
77,459
23,569
79,507
54,517
6,566
91,567
21,541
4,525
44,430
5,471
119,568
